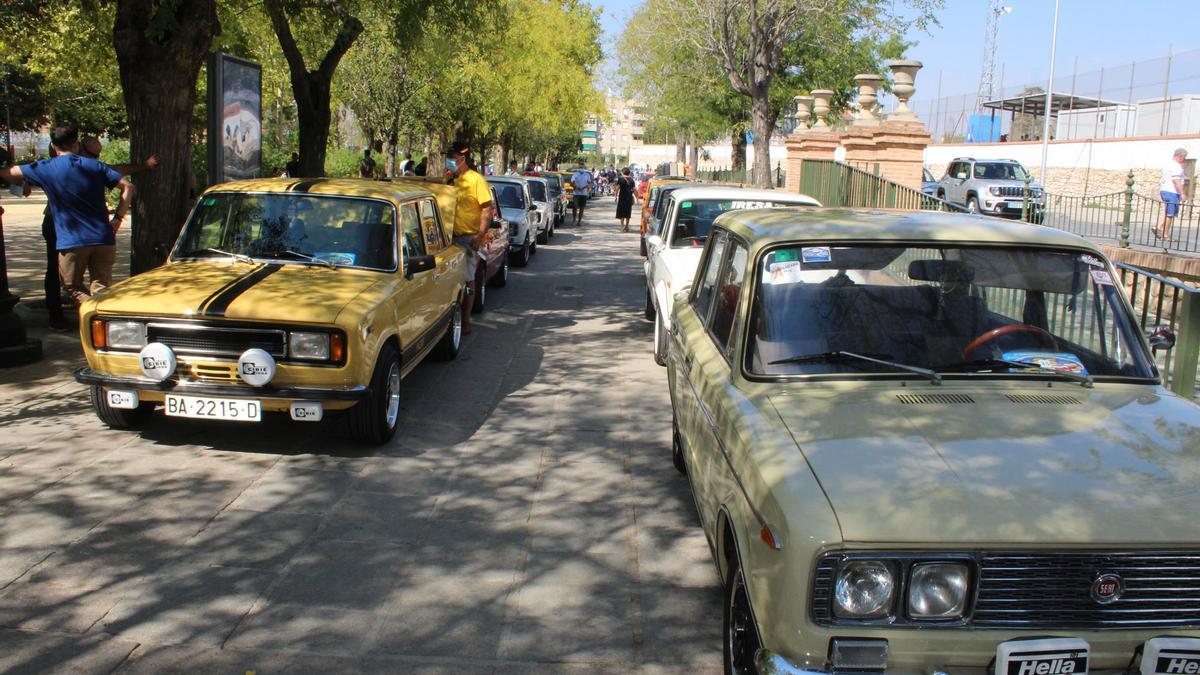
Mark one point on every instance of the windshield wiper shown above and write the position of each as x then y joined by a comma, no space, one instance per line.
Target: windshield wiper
986,365
240,257
319,261
847,356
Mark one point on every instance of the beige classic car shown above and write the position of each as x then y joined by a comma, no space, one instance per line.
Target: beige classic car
933,443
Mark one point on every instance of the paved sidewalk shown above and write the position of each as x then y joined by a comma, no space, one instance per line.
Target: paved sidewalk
526,519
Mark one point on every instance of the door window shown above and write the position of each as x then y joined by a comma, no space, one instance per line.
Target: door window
702,299
728,291
410,227
431,227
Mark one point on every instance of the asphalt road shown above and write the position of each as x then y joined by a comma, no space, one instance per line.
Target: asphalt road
526,518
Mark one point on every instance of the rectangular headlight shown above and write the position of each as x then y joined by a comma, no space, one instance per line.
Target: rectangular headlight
125,334
938,590
311,346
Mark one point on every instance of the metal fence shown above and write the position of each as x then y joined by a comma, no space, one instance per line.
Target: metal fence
1125,218
740,176
1140,98
1159,302
837,184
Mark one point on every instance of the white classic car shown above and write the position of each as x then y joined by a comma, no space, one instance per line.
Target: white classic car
674,248
539,191
517,207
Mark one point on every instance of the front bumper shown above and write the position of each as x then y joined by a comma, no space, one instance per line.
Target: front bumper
88,376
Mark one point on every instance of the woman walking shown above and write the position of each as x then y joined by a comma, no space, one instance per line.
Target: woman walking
624,199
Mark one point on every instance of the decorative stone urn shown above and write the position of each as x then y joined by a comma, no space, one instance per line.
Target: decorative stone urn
904,73
821,107
803,112
868,84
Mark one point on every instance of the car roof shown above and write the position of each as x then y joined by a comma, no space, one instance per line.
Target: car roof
394,190
983,159
722,192
508,179
763,227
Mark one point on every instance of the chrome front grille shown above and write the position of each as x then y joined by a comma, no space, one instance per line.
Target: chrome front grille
201,340
1033,590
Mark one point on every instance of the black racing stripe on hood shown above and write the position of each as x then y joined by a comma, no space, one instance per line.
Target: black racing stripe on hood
224,287
221,303
306,185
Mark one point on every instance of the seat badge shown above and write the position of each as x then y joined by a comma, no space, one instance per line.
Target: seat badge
1108,588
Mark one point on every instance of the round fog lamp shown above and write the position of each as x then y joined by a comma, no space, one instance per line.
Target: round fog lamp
937,591
863,590
158,361
256,367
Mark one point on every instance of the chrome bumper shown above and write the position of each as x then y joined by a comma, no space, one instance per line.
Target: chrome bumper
770,663
88,376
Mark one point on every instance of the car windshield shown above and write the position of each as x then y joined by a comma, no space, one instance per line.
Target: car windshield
537,191
694,217
511,196
292,228
554,184
982,311
999,171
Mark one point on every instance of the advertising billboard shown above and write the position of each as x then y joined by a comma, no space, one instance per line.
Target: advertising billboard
234,119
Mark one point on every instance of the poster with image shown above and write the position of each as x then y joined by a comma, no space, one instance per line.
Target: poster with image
235,119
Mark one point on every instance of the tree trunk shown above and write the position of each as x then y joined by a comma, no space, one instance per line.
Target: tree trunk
160,48
693,159
739,150
680,148
763,125
311,89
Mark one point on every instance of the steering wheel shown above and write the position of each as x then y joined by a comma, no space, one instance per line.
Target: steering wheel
1005,330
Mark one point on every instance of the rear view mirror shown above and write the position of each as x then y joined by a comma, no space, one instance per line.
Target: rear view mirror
1161,338
419,263
942,271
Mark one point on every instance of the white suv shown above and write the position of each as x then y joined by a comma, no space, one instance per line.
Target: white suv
674,248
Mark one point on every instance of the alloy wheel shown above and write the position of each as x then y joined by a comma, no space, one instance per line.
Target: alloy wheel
393,394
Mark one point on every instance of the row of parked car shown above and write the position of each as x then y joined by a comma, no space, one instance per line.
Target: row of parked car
922,442
303,296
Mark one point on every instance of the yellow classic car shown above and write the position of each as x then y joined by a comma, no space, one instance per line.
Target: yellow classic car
933,443
283,295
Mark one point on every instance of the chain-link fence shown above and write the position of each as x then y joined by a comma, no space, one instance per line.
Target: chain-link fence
1154,97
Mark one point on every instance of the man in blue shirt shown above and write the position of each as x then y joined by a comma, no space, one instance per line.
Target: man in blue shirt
75,187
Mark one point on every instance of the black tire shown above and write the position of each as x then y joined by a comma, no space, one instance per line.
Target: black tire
660,343
500,278
972,205
677,447
543,237
374,420
740,637
118,418
480,305
649,312
550,230
533,247
447,347
643,247
523,259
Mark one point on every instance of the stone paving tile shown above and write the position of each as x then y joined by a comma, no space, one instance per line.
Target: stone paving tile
26,652
285,627
370,516
346,574
256,539
446,616
474,550
288,489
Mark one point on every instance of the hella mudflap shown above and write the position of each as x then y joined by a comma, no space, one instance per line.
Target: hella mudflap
1070,656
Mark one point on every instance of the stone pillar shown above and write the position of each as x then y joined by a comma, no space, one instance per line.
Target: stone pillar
812,144
900,151
859,142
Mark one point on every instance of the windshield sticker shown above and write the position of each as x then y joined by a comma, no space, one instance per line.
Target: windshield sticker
1062,362
749,205
815,254
785,272
336,258
210,201
685,205
1101,277
1094,262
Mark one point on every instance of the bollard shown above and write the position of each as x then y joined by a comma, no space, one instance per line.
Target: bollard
1128,216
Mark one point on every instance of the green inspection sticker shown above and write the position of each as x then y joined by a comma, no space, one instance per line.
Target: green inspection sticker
785,255
685,205
210,201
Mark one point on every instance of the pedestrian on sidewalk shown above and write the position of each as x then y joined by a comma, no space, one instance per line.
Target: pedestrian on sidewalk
471,218
75,186
292,168
581,182
366,166
624,199
1171,191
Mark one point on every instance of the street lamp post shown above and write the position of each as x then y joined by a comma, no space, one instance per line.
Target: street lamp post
1049,94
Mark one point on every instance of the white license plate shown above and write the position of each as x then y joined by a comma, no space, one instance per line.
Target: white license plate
1043,656
205,408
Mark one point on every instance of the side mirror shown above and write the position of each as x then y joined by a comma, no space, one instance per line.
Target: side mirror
533,207
1161,338
419,263
961,175
496,223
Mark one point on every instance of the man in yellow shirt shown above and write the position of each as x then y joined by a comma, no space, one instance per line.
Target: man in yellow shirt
471,218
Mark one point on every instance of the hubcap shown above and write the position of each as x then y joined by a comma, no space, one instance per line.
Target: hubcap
456,327
393,394
740,639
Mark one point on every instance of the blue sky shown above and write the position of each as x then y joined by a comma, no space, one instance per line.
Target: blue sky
1100,33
